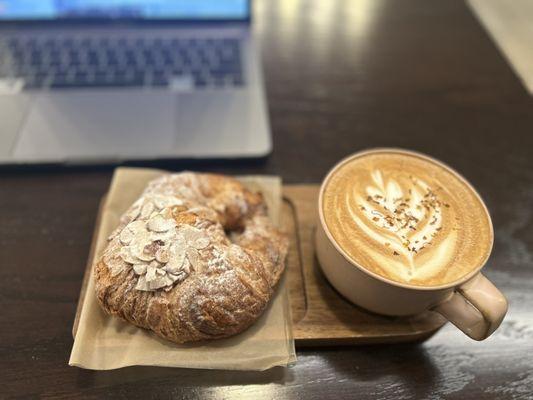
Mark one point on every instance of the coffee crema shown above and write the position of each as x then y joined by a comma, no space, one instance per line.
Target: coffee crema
406,217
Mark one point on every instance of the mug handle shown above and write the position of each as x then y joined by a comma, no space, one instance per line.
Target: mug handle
476,307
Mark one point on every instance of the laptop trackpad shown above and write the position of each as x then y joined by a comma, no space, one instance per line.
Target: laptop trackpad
99,124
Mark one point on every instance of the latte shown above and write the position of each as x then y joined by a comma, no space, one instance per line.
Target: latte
406,217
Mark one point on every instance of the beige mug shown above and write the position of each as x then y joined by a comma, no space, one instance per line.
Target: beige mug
473,304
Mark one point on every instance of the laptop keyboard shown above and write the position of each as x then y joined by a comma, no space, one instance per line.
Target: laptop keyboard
62,63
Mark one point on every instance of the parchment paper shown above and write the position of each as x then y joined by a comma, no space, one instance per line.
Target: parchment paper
103,342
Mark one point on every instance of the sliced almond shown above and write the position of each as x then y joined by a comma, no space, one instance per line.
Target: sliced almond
180,241
142,284
108,257
140,269
175,261
195,237
147,210
160,224
142,252
126,236
132,214
157,283
125,254
201,243
167,237
160,202
194,258
151,249
168,281
190,233
178,277
162,255
137,226
186,267
150,273
165,201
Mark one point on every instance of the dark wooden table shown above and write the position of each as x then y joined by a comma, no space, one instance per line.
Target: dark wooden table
341,76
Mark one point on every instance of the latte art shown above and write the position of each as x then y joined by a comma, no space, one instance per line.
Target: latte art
406,218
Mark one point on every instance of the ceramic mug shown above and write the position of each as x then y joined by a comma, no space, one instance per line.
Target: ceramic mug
473,304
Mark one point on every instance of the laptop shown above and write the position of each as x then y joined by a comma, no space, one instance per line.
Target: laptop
85,81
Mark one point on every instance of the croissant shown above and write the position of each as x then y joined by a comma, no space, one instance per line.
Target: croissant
194,258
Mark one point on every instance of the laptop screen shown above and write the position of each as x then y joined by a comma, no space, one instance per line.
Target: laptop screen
124,9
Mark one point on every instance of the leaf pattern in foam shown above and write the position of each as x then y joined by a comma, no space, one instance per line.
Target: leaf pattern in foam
403,219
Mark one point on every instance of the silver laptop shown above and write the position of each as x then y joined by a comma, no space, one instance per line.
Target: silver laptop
114,80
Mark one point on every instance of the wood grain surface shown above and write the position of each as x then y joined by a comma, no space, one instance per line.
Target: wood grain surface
341,75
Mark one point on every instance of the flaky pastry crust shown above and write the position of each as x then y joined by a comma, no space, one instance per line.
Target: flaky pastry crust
195,258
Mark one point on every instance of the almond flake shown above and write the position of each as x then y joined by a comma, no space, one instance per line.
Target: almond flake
163,236
150,273
160,202
147,210
157,283
165,201
140,269
168,281
137,226
175,261
194,258
115,265
144,253
132,214
126,236
186,267
160,224
162,255
151,249
201,243
126,255
191,234
141,284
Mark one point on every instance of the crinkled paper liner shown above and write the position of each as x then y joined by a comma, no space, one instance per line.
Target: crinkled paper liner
104,342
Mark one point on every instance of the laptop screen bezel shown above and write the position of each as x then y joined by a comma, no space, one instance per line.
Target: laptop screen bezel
126,21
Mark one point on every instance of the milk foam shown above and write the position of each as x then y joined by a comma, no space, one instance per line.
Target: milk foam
406,218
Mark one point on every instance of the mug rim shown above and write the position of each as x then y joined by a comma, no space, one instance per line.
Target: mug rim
457,282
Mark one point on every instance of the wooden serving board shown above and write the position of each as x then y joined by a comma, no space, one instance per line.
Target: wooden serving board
321,316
